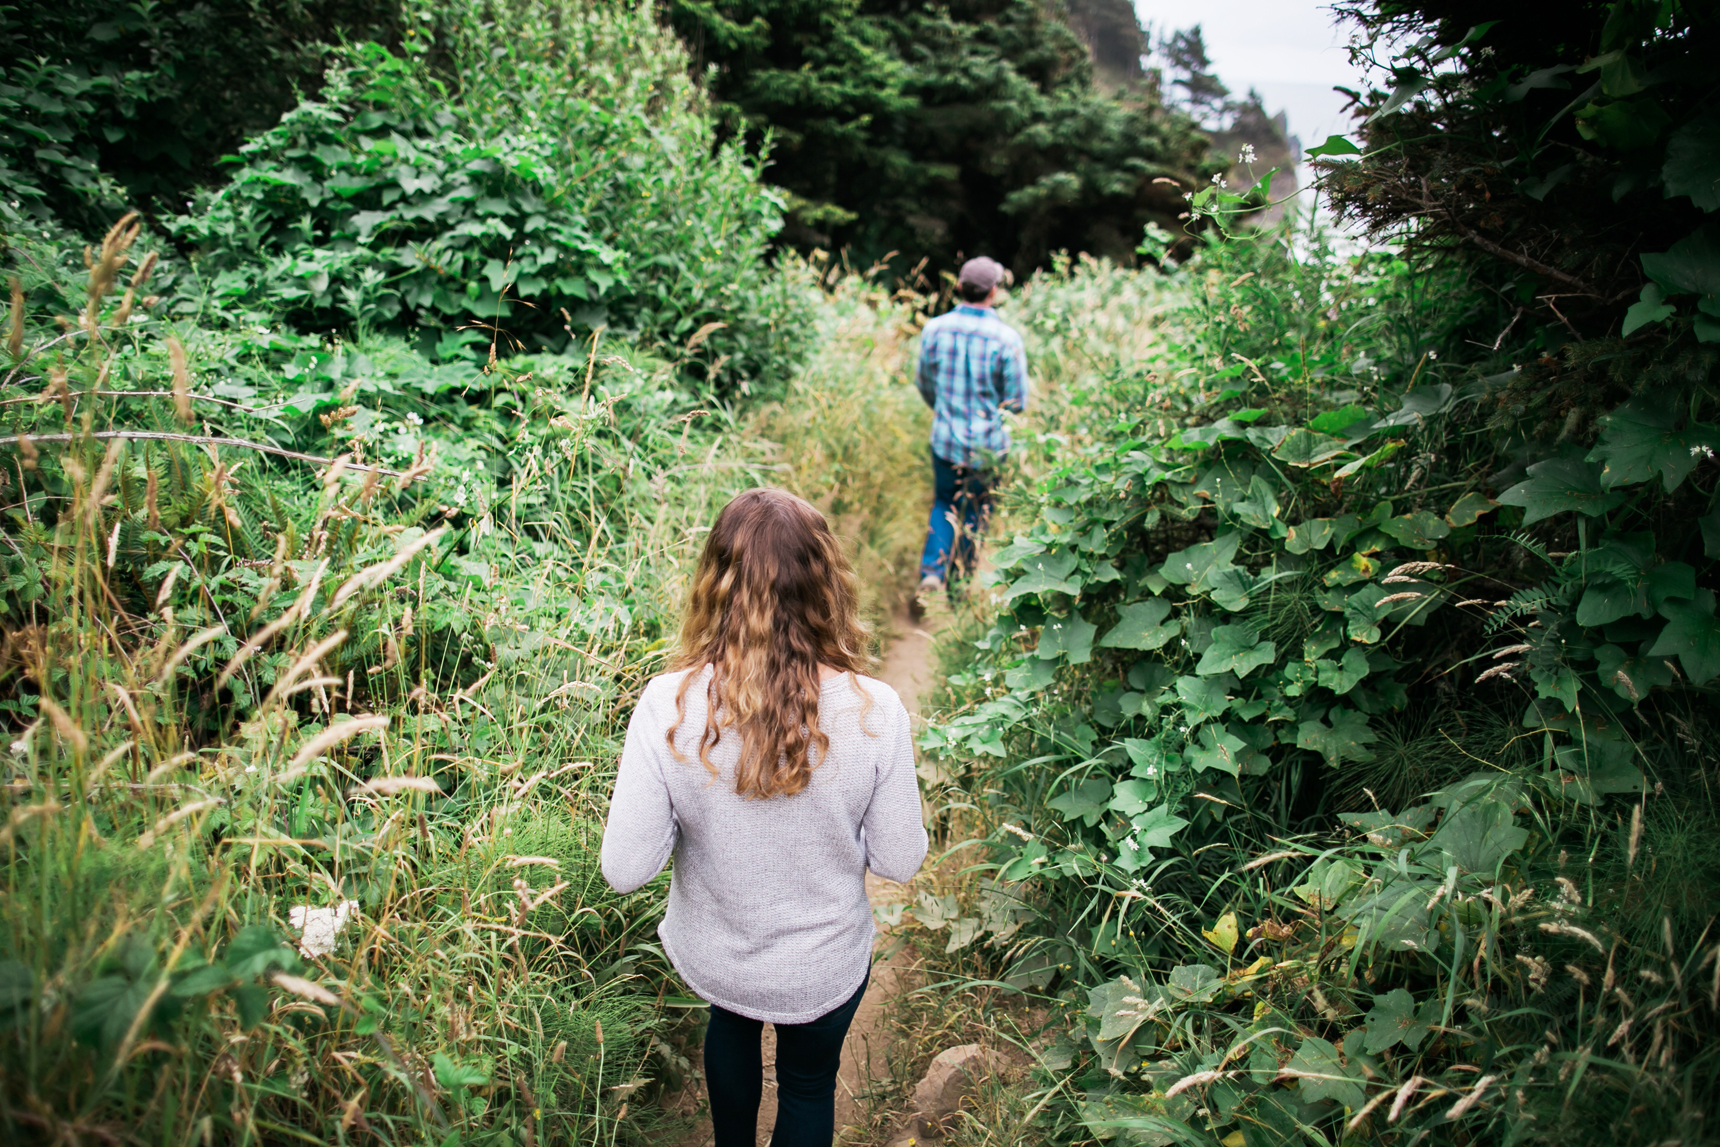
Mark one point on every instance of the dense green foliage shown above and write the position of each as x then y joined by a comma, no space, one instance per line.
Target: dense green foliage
109,105
243,684
1343,728
942,130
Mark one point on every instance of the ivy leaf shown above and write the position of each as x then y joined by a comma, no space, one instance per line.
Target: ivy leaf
1046,573
1308,448
1194,983
1419,531
1630,676
1693,164
1650,307
1140,626
1638,441
1478,835
1158,826
1070,637
1133,796
1692,634
1334,145
1344,739
1313,534
1560,484
1341,676
1195,566
1085,802
1320,1076
1030,676
1467,510
1217,749
1393,1019
1236,648
1204,698
1690,267
1017,550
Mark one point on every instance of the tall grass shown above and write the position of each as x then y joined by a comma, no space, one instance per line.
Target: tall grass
308,760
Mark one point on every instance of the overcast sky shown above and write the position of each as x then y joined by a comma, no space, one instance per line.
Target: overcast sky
1290,51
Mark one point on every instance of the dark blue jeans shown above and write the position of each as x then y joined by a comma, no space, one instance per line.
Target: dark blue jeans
807,1056
961,494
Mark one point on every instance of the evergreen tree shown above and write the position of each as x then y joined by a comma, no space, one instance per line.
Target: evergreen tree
942,130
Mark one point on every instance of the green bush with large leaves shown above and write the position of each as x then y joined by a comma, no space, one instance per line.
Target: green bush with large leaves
1303,583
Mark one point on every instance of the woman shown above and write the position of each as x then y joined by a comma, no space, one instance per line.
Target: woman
776,775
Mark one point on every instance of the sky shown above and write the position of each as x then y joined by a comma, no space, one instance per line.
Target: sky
1290,51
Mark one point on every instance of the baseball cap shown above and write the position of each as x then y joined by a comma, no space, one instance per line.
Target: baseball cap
983,273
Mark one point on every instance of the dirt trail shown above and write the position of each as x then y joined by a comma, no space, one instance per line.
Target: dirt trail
908,669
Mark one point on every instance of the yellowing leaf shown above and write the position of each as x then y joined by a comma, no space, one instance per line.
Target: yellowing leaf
1223,934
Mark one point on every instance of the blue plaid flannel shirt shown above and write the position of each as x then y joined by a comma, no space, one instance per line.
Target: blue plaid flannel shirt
972,367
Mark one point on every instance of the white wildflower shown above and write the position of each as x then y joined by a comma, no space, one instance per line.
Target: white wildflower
319,926
1247,155
1700,451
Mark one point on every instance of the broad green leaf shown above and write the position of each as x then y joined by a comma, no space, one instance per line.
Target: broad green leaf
1156,827
1343,736
1150,759
1640,440
1396,917
1204,698
1693,163
1194,983
1594,768
1070,637
1326,882
1420,530
1631,676
1341,676
1479,834
1394,1019
1045,573
251,1002
1195,566
1623,124
1016,551
1238,649
1314,534
1133,796
1320,1076
256,949
1372,461
1692,634
1419,404
1307,448
1358,568
1690,267
1334,145
209,978
1561,484
1140,626
1386,829
1342,422
1710,527
1032,675
1467,510
1085,802
1217,749
1650,307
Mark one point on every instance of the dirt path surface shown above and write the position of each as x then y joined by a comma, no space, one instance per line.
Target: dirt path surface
908,669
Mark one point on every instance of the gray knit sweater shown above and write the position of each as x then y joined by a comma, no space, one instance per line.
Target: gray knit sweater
767,913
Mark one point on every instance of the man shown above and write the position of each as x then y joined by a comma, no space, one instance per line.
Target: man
971,369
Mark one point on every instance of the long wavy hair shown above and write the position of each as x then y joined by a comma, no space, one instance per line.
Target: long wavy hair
772,600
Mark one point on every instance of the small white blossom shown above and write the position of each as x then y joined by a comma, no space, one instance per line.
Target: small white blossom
1700,451
1247,155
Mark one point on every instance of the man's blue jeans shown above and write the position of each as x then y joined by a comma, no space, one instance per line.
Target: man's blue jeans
961,502
807,1058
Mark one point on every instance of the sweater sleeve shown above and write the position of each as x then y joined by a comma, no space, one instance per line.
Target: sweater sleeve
641,831
895,833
